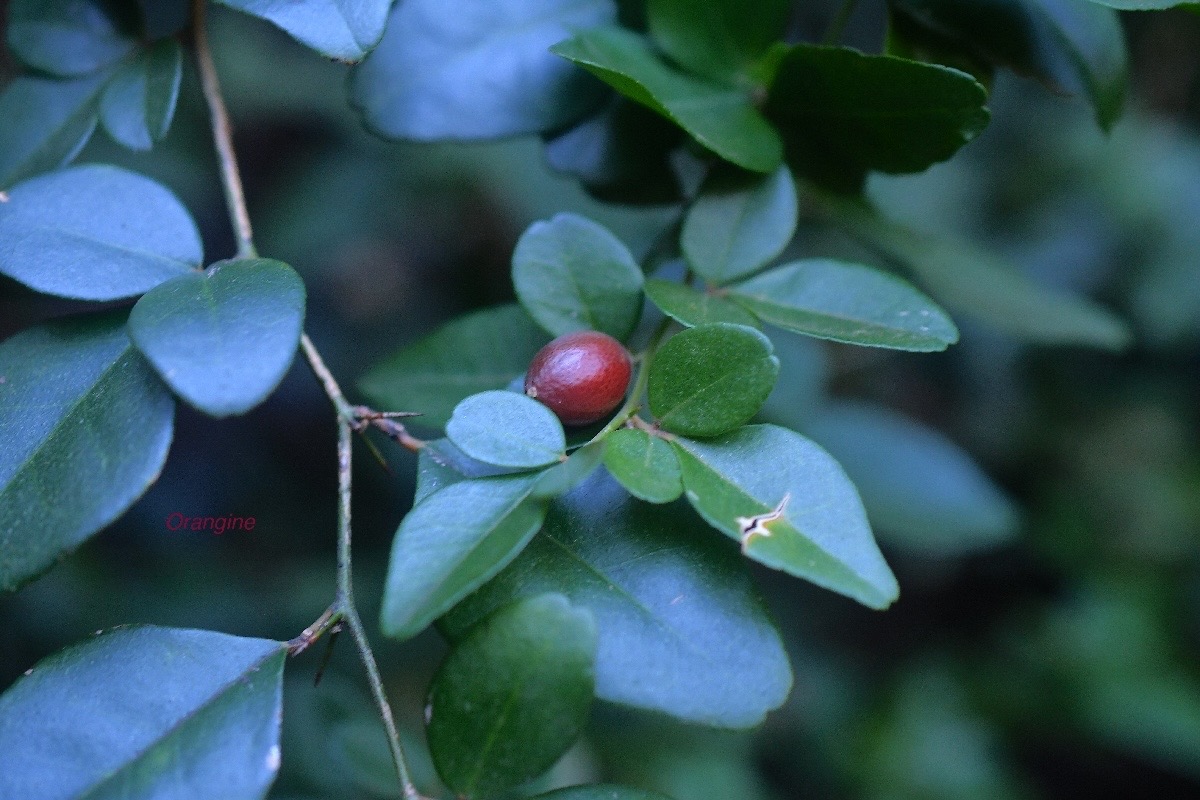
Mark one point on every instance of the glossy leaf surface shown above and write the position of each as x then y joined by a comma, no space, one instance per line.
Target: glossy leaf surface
645,465
692,307
507,429
223,338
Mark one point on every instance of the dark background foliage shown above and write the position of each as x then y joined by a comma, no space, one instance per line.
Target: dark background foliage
1061,665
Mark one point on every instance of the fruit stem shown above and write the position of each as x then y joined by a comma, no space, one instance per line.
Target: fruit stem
634,401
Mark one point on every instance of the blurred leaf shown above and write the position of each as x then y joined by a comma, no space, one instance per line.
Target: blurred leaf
980,284
712,378
222,338
572,274
920,490
446,70
722,119
1070,45
622,155
681,630
821,533
508,430
44,123
736,226
67,37
341,29
139,103
453,541
562,478
911,40
718,38
645,465
512,696
145,712
86,426
692,307
804,373
480,351
1144,5
843,113
847,303
605,791
95,232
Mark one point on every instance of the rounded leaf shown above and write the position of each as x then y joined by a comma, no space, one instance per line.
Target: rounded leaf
86,426
145,712
223,338
342,29
847,303
738,224
718,38
447,70
572,274
139,103
68,37
44,123
507,429
512,696
710,379
645,465
95,232
692,307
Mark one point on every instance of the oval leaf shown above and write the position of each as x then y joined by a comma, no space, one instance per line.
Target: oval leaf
448,70
512,696
572,274
723,119
847,303
736,226
452,542
843,113
645,465
86,426
507,429
717,38
681,629
79,724
691,307
341,29
600,791
710,379
139,103
921,491
481,351
44,124
68,37
791,506
223,338
95,233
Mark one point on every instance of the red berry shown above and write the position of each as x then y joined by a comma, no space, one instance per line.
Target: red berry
581,377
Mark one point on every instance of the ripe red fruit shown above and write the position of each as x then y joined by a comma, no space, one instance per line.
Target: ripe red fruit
581,377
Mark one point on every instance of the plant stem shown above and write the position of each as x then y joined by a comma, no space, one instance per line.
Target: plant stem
343,608
639,386
837,27
231,179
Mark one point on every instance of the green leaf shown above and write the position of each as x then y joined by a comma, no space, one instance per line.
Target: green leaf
341,29
1072,46
484,350
692,307
737,225
822,534
95,232
600,791
86,426
139,103
847,303
1144,5
507,429
721,118
145,712
455,539
843,113
572,274
979,284
645,465
681,629
447,70
223,338
68,37
921,491
719,38
512,696
712,378
434,472
562,478
44,124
